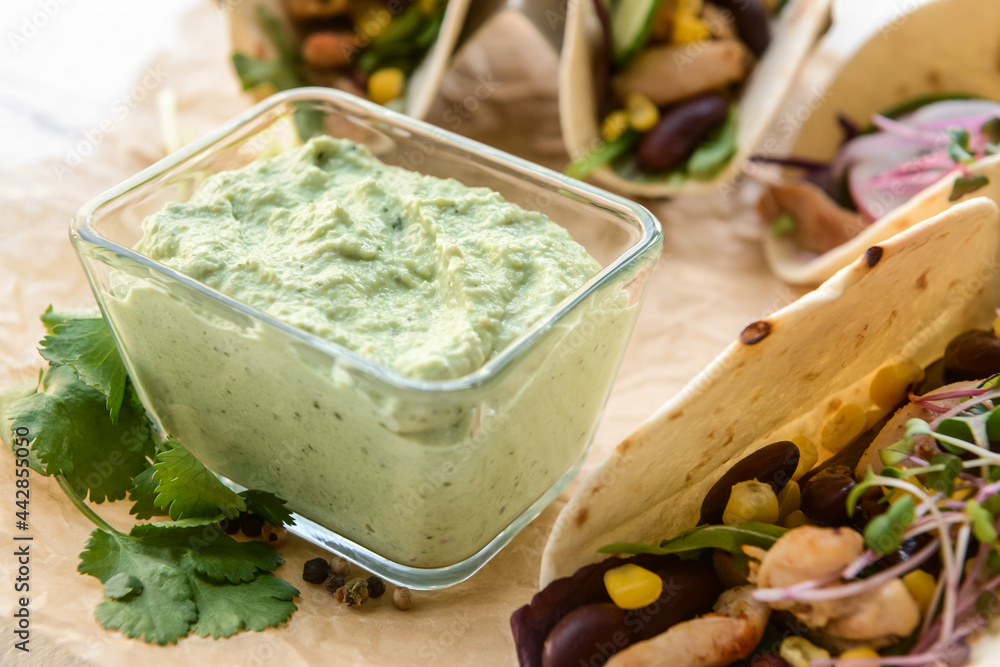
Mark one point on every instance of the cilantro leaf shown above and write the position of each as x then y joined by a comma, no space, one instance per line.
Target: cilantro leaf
8,399
85,344
268,506
224,610
143,494
157,587
210,552
72,433
122,585
189,489
53,318
163,611
156,527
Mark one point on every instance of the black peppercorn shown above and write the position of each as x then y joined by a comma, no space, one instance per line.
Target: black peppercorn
316,570
230,526
376,587
251,524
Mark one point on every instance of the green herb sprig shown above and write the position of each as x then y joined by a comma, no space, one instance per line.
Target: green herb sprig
162,580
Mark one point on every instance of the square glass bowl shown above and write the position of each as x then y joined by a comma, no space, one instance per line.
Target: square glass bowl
420,482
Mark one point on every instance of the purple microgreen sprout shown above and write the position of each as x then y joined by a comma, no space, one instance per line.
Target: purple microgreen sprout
905,131
936,150
884,533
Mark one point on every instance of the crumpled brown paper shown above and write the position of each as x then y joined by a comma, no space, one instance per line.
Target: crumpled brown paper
502,90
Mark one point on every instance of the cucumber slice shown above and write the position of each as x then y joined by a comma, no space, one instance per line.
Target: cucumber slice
631,21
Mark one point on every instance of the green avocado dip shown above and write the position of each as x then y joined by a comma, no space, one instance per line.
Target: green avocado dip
424,276
420,274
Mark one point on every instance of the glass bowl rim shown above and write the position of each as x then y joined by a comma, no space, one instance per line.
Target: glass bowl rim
82,230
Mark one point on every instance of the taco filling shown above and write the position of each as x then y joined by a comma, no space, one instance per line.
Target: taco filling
886,553
364,47
668,78
905,150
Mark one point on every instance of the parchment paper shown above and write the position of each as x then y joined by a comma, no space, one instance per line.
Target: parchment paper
710,283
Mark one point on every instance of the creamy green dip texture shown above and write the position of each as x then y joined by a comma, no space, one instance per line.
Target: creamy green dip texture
417,273
422,275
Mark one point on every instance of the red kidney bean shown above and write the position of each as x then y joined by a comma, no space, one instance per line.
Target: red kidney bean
824,497
690,588
907,549
588,635
972,355
752,23
680,129
532,623
769,660
773,464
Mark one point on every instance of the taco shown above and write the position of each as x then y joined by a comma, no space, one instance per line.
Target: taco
900,136
659,97
735,494
394,52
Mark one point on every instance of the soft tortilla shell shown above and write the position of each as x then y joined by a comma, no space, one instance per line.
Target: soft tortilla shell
794,33
928,284
246,37
943,46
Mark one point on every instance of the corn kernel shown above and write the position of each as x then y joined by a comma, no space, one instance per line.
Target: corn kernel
921,586
262,90
751,501
798,651
843,428
631,586
789,500
862,654
808,455
375,22
961,495
896,494
689,29
692,7
996,327
795,519
427,6
614,125
642,113
890,383
385,85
